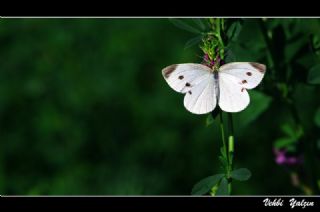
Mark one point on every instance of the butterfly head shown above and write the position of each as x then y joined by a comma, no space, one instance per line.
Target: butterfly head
215,68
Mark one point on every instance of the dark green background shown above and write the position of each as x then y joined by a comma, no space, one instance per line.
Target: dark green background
84,108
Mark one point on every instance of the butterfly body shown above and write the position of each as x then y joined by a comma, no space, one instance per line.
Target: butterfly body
204,87
216,84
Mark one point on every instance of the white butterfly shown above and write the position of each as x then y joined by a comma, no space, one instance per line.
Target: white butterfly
205,87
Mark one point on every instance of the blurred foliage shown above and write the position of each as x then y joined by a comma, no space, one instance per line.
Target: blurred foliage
84,108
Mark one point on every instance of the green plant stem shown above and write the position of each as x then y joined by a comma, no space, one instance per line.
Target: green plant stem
227,148
230,149
231,137
219,25
223,136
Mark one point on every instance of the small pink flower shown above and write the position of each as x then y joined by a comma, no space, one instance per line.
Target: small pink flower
282,158
206,57
207,61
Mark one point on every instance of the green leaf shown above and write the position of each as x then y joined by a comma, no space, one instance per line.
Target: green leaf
288,130
293,134
230,57
316,43
205,185
193,41
292,49
241,174
223,187
199,23
284,142
314,75
306,60
182,25
254,44
291,148
259,102
234,31
241,53
292,131
317,117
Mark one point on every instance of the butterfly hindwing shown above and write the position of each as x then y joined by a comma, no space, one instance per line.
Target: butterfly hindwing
233,97
249,75
201,99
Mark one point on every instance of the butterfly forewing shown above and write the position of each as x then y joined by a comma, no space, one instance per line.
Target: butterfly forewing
249,75
183,77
